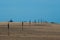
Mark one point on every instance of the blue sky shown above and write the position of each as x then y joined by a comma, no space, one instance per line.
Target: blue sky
21,10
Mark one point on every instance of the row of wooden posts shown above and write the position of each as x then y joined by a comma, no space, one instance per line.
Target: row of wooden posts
9,26
22,24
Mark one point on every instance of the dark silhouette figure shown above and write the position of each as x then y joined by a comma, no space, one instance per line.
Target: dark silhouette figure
11,21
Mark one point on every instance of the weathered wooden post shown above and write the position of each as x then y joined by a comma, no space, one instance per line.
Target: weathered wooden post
38,21
22,25
8,28
34,22
41,21
29,22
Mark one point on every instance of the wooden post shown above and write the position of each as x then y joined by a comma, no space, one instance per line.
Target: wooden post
38,21
8,28
41,21
34,22
29,22
22,26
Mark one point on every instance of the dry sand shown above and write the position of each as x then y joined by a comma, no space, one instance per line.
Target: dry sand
33,31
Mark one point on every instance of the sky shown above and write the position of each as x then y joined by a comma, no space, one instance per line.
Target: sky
24,10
